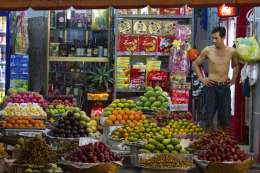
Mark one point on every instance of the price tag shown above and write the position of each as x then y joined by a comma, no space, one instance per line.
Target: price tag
86,141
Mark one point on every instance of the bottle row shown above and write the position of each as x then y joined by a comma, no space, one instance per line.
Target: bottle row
79,48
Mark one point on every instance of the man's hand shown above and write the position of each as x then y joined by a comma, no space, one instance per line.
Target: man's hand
207,82
232,81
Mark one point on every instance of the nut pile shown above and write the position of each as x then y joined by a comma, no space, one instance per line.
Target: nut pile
37,152
165,161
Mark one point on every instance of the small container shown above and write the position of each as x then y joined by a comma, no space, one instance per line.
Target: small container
100,51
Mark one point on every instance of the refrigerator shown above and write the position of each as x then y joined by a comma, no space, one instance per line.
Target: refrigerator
19,59
4,53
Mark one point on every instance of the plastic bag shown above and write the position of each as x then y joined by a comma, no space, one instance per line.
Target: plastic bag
248,49
251,72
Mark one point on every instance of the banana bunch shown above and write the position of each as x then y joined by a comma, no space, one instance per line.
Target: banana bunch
23,109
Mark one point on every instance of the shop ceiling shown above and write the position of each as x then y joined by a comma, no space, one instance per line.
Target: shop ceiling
97,4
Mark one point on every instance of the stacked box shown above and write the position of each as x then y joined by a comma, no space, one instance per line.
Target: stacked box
123,72
19,72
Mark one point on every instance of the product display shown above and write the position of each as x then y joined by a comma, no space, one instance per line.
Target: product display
23,109
119,104
153,99
27,97
93,153
55,111
219,147
75,125
37,152
125,116
163,117
164,161
22,122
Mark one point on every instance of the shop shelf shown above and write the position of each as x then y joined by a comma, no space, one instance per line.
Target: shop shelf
79,59
155,16
141,54
129,91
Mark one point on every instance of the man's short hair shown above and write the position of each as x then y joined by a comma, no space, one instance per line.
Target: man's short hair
221,30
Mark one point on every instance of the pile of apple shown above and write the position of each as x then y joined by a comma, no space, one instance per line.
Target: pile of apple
219,147
93,153
27,97
164,116
56,111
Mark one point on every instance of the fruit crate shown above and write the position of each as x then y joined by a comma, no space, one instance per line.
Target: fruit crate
225,167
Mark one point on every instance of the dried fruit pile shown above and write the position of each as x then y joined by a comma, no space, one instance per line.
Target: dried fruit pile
165,161
36,152
93,153
219,147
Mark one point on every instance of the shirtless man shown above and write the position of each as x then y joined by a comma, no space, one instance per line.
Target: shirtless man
217,84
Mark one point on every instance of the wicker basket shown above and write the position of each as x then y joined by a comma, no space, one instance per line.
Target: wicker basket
102,168
237,167
242,167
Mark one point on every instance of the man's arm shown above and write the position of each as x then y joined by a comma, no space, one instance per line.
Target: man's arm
235,66
196,68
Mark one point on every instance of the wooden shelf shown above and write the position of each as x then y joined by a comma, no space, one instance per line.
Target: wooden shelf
79,59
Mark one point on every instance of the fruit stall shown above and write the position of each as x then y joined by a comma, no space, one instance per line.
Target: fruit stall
54,135
143,124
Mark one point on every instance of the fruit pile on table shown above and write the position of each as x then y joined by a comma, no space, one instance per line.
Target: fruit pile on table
146,128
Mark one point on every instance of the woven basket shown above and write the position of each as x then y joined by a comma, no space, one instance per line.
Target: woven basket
102,168
237,167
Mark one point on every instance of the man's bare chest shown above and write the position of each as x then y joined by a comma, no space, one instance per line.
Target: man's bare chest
219,58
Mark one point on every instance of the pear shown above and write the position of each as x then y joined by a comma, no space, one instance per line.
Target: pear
94,128
93,122
84,123
77,116
89,130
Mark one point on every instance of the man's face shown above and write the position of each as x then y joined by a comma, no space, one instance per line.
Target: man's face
217,40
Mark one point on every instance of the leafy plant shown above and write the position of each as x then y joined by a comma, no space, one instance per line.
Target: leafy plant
100,78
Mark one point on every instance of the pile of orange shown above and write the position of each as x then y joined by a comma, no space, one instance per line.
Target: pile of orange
22,122
125,116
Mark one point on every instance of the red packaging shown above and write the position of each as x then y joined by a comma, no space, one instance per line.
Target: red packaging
148,44
180,96
127,44
170,11
137,79
165,44
158,78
